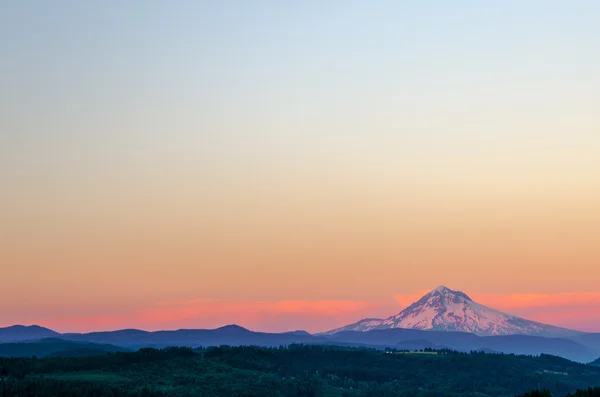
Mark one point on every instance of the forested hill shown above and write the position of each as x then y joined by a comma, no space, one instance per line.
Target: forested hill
56,347
297,370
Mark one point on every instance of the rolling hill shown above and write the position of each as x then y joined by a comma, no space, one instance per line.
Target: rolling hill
17,333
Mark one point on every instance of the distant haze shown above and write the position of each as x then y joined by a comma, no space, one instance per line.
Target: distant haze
296,165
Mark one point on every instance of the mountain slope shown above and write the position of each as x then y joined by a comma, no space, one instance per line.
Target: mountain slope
590,340
411,339
446,310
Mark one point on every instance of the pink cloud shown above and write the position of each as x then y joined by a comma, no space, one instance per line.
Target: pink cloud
273,316
406,300
518,301
264,315
578,310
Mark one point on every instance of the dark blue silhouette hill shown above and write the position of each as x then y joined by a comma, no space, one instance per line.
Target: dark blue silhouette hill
582,348
17,333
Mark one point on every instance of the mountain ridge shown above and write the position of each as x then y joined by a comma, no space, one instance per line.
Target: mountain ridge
398,338
19,333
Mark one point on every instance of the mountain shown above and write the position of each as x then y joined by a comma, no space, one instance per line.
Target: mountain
443,309
403,339
18,333
411,339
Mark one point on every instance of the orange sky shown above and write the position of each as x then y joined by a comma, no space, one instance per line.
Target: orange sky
281,168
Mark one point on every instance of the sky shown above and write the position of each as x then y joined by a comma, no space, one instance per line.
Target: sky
296,165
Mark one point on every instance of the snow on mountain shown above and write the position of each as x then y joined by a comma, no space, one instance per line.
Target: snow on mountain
446,310
363,325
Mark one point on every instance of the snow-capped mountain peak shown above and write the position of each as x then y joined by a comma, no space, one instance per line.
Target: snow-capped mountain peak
444,309
447,294
441,289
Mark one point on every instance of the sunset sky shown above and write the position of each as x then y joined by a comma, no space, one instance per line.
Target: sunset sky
296,165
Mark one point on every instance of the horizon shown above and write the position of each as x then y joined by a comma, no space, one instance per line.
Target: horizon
297,166
224,325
